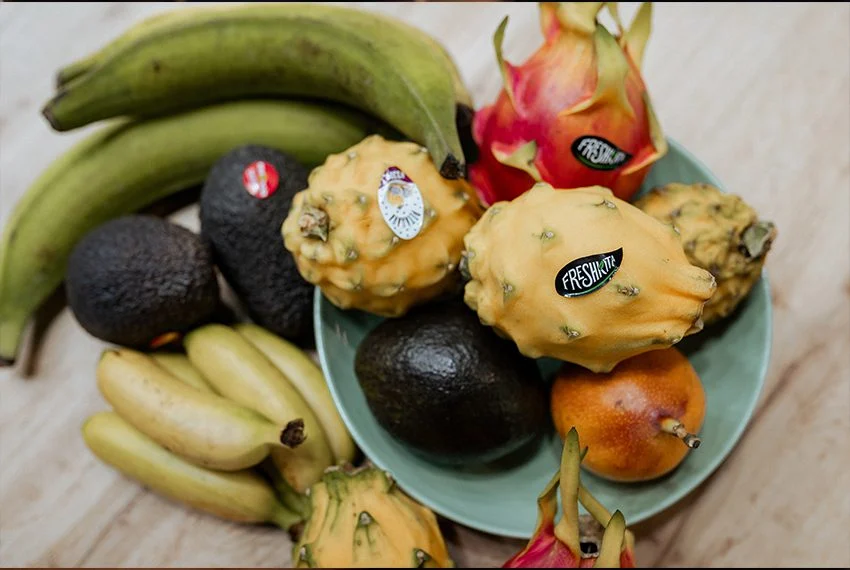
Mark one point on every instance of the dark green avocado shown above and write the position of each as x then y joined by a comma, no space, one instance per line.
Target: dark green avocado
136,278
449,388
245,198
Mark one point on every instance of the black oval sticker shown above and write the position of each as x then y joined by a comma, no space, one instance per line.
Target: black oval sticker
587,274
598,153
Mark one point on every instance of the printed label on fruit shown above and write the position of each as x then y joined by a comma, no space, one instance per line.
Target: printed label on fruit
598,153
587,274
401,203
260,179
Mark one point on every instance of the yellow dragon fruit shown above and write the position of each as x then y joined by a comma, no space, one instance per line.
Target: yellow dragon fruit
721,233
379,229
575,114
361,519
582,276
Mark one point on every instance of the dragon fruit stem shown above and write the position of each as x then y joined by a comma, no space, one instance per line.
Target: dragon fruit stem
567,529
504,67
634,40
612,542
593,506
675,427
573,16
314,223
612,68
757,238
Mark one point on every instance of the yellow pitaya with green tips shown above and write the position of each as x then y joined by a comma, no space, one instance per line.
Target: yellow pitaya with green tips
361,519
582,276
379,229
720,233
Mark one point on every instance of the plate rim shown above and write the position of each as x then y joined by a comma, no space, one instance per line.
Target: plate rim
670,500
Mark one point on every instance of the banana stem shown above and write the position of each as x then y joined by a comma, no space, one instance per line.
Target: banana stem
293,434
286,519
675,427
314,223
291,499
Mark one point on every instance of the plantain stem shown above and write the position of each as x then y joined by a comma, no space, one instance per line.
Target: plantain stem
675,427
291,499
567,529
286,519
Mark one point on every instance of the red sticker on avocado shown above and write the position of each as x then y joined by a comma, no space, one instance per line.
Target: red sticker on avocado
260,179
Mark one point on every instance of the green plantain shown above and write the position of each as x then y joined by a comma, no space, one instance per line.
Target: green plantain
130,165
358,58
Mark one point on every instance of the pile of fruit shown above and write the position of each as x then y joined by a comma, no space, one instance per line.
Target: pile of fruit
338,149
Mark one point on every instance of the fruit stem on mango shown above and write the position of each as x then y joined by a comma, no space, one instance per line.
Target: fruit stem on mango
675,427
314,223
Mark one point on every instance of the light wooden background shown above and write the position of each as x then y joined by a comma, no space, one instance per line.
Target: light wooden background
760,92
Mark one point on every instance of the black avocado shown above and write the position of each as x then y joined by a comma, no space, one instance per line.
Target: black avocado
449,387
138,277
246,196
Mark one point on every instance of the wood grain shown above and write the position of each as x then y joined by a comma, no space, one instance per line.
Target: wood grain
761,93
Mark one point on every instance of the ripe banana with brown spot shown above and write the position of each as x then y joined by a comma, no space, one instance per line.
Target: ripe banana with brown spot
212,54
129,165
205,428
237,370
308,379
240,496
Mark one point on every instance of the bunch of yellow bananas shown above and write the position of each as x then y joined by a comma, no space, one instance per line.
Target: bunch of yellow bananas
240,426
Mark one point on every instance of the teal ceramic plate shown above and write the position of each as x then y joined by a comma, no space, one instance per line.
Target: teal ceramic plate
730,357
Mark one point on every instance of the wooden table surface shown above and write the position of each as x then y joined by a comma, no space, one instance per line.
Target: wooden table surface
761,93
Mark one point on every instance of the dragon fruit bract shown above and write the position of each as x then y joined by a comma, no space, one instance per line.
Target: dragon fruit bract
575,114
597,539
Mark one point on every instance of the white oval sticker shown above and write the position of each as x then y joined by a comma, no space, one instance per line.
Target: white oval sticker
401,203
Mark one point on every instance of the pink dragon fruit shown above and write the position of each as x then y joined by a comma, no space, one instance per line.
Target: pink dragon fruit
575,114
595,540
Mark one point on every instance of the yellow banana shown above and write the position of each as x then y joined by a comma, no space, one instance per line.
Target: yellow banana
308,379
305,50
204,428
127,166
238,371
240,496
180,367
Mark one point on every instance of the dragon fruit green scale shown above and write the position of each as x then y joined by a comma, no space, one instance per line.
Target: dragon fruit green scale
582,276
